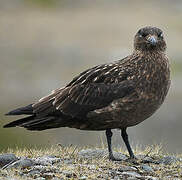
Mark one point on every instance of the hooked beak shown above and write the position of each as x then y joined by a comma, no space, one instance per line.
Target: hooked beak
152,40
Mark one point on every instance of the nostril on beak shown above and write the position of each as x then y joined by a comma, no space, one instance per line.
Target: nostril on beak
152,40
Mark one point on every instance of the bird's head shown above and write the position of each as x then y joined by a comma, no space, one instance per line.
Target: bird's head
149,39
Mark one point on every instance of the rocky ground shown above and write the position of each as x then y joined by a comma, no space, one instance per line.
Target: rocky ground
89,163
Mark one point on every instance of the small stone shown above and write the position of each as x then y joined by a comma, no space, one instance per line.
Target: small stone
40,178
68,161
117,172
99,153
33,172
92,153
148,160
46,160
120,156
91,166
132,173
126,168
132,178
167,160
9,178
83,178
151,178
56,178
67,173
22,163
48,175
117,178
112,173
39,168
70,167
147,168
144,158
6,159
176,179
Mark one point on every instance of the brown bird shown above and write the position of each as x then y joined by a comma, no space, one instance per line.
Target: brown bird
114,95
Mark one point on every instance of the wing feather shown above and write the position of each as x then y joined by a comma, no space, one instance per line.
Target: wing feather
90,90
80,99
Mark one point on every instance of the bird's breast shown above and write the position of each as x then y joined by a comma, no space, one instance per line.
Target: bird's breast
151,78
152,81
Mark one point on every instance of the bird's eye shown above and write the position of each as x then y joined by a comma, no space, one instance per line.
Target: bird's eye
160,35
142,33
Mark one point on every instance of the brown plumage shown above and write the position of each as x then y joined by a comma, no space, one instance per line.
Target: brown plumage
109,96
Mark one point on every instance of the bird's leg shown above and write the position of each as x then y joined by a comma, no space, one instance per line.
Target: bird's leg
126,141
109,137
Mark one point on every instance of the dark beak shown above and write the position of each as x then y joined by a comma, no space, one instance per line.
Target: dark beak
152,40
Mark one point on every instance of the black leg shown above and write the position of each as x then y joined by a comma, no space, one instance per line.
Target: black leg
126,141
109,137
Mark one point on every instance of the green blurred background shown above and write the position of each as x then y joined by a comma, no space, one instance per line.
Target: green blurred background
45,43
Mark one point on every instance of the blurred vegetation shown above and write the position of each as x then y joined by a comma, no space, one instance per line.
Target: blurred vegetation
176,68
42,3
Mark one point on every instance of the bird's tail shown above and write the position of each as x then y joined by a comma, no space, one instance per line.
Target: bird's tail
38,123
19,122
27,110
34,123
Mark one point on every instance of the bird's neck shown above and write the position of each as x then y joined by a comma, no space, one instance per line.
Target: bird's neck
150,53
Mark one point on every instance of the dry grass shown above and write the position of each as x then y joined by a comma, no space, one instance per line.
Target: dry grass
94,168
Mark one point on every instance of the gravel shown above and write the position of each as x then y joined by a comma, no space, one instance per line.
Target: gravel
147,168
94,161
